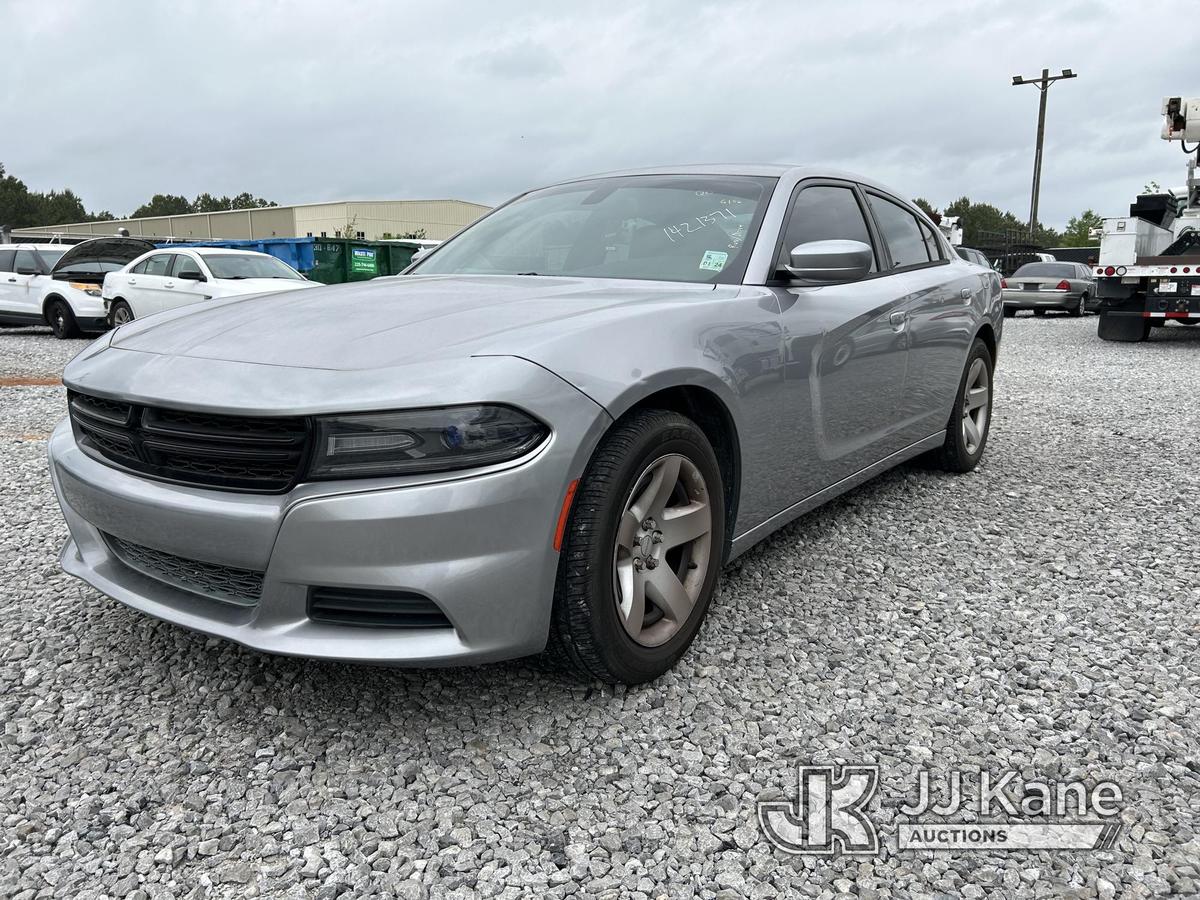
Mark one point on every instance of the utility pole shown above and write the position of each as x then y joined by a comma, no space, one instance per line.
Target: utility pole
1043,86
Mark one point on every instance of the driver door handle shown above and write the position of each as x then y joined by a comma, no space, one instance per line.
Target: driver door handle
169,284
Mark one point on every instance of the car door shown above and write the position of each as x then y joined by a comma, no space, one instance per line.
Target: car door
846,346
188,283
148,280
22,283
10,286
939,292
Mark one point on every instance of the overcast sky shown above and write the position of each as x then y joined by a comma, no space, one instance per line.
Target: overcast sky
306,101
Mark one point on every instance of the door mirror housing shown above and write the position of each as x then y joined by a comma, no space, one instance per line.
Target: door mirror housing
829,262
25,270
192,276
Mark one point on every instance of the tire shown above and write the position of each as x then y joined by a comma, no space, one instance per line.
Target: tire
963,448
1083,304
1039,312
600,627
1010,312
61,320
121,314
1077,310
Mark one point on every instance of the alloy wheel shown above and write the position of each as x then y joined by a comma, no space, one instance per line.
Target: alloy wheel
661,558
975,406
121,315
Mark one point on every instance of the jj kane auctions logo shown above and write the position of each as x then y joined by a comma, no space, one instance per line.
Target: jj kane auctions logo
831,813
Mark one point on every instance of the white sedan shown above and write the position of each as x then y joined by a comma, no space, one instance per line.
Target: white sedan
169,278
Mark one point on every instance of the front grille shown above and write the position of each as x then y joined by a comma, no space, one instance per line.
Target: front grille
386,609
225,583
235,453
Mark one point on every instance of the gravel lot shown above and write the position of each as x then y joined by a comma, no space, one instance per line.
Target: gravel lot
1039,614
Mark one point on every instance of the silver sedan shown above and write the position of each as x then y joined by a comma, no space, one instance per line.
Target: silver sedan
549,435
1041,286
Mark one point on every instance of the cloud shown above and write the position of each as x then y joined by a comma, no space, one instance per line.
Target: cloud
306,101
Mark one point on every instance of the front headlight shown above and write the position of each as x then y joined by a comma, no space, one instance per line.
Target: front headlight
421,440
92,290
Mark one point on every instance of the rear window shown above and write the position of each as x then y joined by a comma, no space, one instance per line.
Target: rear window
1047,270
50,257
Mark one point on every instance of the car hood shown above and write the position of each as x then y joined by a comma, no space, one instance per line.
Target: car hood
395,321
118,250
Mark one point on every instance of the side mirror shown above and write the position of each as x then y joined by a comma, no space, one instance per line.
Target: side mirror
192,276
25,270
830,262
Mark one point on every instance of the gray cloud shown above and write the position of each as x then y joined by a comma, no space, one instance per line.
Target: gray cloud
306,101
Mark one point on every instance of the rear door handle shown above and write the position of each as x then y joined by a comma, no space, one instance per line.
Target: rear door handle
13,280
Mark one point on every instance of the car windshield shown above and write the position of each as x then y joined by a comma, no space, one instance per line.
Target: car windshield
694,228
236,266
50,257
1048,270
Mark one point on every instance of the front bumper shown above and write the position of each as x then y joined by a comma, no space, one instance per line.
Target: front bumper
1041,300
479,546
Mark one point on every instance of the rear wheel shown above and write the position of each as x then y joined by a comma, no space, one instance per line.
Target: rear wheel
121,314
971,417
642,553
62,320
1077,310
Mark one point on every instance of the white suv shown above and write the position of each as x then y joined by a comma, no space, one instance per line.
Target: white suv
24,274
59,285
174,277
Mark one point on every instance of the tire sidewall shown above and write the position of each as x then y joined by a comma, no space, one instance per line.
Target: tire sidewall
627,660
967,461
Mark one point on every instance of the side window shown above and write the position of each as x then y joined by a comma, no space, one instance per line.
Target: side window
27,262
6,260
140,268
825,213
901,231
184,263
931,242
158,264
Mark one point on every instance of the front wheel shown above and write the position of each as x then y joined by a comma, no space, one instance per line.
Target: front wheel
121,314
971,417
62,320
642,552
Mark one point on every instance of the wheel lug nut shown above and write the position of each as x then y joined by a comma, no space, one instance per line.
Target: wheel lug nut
652,563
656,538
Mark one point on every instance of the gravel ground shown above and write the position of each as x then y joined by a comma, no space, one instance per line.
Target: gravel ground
1039,614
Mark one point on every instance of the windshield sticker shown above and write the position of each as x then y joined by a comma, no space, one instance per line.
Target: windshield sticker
714,260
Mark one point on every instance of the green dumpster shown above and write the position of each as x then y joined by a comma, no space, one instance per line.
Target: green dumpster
338,260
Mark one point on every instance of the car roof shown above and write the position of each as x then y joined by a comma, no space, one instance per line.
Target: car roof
209,251
761,170
35,246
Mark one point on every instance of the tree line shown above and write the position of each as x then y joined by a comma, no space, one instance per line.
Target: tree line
982,223
23,208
